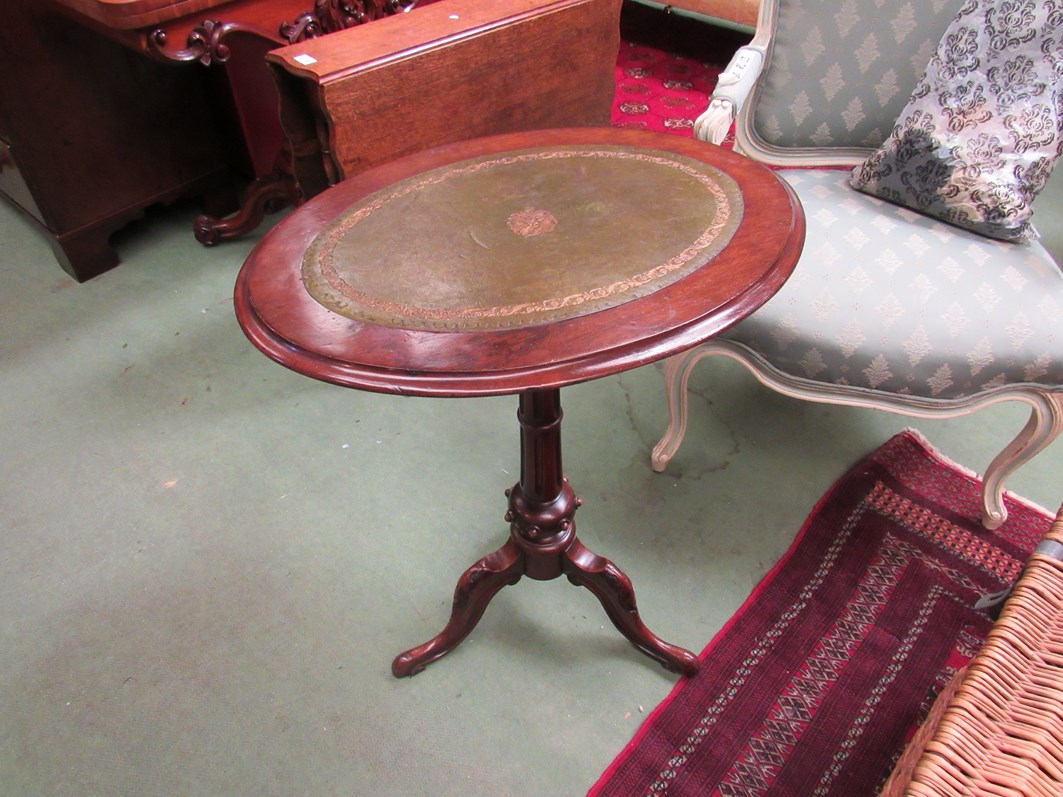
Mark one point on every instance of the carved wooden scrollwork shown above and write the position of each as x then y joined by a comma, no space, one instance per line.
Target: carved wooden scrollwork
330,16
205,44
305,26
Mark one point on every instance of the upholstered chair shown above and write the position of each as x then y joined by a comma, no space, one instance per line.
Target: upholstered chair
888,308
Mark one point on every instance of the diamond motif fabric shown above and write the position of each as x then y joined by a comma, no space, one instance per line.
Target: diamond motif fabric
888,299
839,75
979,138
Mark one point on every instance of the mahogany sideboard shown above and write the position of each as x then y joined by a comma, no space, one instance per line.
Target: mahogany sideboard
110,106
91,134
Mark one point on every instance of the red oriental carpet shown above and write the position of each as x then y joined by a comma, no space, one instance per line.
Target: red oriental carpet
667,68
817,683
659,90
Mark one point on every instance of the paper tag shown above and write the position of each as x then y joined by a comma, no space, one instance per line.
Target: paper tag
305,60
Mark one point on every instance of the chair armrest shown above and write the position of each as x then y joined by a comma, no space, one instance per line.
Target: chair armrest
732,89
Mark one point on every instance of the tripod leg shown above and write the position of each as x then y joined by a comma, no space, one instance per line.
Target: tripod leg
610,586
476,587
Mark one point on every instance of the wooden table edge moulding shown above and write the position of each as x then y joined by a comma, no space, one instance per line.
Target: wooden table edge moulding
521,263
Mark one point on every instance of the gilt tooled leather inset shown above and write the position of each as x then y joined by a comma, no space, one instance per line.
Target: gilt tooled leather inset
527,237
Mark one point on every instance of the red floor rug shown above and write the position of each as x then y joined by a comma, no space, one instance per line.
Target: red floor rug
816,684
659,90
667,68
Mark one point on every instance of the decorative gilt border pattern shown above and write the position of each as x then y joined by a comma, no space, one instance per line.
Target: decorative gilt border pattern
320,253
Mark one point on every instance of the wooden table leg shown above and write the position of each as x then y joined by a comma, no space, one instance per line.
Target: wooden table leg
475,589
613,588
543,545
267,194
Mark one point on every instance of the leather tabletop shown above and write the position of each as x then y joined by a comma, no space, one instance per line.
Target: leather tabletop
524,238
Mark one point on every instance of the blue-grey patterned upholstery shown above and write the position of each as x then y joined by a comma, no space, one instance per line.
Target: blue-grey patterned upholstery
839,73
887,299
886,308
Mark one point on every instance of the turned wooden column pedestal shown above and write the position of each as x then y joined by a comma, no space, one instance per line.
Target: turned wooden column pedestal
543,545
519,264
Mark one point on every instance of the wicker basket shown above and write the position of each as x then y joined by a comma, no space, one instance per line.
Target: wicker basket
998,728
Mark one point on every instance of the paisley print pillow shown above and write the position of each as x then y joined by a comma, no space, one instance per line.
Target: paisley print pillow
984,127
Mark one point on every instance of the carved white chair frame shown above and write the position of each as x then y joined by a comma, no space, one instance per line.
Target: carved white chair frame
736,85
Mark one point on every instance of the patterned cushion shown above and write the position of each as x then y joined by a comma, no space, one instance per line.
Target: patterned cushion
888,299
977,141
841,79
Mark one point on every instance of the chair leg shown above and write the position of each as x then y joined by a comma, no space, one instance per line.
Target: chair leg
676,376
1044,426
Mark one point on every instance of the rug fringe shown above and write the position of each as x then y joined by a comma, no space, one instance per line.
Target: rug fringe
924,442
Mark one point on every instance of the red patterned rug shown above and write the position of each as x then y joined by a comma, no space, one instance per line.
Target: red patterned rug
816,684
658,90
667,68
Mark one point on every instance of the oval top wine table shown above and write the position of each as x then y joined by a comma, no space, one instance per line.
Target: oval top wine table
519,264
